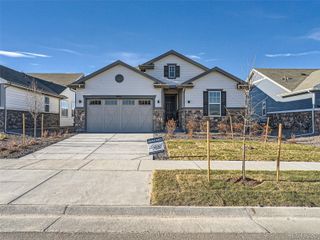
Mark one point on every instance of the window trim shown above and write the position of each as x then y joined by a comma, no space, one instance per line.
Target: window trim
264,108
67,109
175,71
220,103
46,104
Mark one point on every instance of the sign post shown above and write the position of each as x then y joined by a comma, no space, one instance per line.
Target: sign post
155,145
279,151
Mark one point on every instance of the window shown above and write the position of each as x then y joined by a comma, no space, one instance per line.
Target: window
46,104
214,103
144,102
264,108
72,109
171,71
128,102
111,102
95,102
64,108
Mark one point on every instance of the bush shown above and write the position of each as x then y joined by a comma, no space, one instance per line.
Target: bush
238,127
191,126
223,127
171,126
3,136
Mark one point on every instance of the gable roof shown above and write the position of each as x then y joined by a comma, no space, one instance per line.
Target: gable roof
288,78
219,70
63,79
24,80
172,52
116,63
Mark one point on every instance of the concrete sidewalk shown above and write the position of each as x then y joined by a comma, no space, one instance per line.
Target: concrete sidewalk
94,219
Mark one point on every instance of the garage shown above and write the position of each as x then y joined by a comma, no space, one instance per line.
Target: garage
119,115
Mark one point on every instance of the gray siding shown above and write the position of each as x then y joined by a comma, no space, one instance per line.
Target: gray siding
258,96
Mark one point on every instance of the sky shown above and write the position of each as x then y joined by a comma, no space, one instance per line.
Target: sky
83,36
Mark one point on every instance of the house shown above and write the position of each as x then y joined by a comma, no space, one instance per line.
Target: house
288,96
67,105
122,98
18,98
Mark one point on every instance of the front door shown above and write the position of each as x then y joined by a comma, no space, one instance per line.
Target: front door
170,107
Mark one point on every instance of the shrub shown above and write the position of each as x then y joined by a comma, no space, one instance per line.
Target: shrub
191,126
171,126
3,136
45,134
238,127
223,128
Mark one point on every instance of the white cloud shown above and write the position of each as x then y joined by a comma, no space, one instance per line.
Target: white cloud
194,57
34,64
292,54
211,59
130,58
65,50
314,35
17,54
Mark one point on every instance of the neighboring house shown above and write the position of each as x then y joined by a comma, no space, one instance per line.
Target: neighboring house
67,105
288,96
122,98
16,99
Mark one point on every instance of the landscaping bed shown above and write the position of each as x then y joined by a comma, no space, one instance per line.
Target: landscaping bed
225,149
191,188
11,146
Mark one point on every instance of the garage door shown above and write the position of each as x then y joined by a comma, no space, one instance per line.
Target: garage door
119,115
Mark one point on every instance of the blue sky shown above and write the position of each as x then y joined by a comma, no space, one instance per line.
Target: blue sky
83,36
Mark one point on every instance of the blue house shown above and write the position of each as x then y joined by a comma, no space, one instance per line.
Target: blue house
287,96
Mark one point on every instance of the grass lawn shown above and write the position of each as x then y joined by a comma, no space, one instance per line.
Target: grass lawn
191,188
229,150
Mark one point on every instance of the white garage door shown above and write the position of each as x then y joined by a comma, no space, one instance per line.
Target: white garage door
119,115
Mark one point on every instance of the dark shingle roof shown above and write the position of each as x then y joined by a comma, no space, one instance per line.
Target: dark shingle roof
24,80
288,78
63,79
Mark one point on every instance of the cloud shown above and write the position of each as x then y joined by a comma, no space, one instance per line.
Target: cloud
292,54
314,35
17,54
65,50
194,57
211,59
131,58
34,64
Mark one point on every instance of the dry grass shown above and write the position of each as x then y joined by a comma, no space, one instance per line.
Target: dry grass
191,188
229,150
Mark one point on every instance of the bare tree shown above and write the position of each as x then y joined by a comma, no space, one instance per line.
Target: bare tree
35,104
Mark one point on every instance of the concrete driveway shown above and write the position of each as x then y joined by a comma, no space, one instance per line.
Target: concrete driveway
86,169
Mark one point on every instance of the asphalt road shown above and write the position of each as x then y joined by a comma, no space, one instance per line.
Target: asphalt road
156,236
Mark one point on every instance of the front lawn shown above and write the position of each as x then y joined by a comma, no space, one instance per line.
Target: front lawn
229,150
191,188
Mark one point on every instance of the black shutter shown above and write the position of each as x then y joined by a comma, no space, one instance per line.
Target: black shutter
177,71
205,103
223,103
165,71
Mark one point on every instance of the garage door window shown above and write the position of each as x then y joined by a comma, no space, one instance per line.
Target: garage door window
95,102
144,102
127,102
111,102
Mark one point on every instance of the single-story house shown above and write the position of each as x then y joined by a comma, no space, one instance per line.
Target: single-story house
287,96
123,98
67,105
17,97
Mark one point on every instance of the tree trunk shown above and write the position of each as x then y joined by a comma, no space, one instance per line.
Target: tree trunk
35,126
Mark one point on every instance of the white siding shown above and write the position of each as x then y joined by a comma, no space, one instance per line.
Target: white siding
214,80
105,84
274,90
187,70
68,121
17,99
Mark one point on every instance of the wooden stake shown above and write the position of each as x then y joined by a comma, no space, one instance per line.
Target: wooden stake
23,129
231,127
279,150
266,133
208,148
41,125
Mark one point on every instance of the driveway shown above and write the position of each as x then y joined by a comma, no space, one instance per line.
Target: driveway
81,170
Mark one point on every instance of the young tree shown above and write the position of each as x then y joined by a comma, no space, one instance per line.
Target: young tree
35,104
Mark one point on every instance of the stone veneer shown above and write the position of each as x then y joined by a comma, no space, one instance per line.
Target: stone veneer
158,119
14,120
79,120
196,114
296,122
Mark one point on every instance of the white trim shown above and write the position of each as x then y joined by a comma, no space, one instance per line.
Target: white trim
286,89
220,104
299,110
173,66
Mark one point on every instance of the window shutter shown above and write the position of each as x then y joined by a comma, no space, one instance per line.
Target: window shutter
205,103
223,103
177,71
165,71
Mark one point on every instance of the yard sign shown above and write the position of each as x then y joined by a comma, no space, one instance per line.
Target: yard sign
155,145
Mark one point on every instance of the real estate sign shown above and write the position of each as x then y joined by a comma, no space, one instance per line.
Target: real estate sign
155,145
